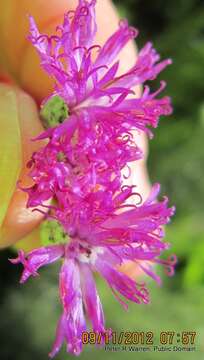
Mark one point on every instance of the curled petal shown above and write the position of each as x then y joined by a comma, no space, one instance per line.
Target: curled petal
36,259
121,283
169,264
91,299
115,43
72,322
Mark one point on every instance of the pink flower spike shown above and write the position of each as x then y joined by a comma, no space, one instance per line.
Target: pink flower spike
96,223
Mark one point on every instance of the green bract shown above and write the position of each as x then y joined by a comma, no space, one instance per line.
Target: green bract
51,232
54,112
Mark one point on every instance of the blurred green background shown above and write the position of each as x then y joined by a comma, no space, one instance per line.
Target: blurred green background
28,314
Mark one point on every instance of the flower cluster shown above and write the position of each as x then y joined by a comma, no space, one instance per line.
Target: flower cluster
77,174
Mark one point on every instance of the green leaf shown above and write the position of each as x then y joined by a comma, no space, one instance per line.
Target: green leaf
10,148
